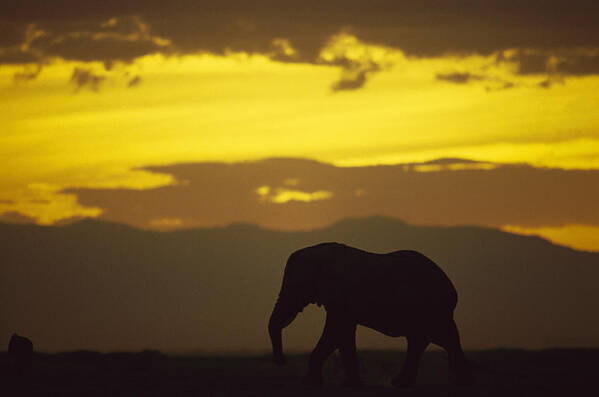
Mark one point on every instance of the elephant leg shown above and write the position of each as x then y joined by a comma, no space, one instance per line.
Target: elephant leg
407,376
349,356
458,365
326,345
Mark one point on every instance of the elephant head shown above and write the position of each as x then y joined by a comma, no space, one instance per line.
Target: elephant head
305,281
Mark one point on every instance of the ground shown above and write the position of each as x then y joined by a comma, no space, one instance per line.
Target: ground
498,373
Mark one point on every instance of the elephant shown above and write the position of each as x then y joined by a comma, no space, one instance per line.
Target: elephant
401,293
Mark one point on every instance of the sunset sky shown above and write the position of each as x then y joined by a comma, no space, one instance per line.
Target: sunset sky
293,115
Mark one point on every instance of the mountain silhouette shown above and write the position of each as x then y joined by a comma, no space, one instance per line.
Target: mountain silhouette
107,286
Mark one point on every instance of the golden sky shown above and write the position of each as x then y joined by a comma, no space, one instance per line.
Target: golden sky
95,94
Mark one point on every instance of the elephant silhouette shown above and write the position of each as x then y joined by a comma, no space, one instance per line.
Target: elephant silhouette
402,293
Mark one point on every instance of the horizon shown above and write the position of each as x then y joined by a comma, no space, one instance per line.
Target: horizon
339,222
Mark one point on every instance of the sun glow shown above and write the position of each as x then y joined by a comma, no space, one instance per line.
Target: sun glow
284,195
360,104
581,237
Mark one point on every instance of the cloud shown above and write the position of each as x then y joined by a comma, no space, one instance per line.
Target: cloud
88,47
166,223
458,78
500,85
557,62
40,201
492,84
16,217
351,80
111,30
69,221
357,60
16,56
11,32
86,78
283,50
531,62
448,192
285,195
20,52
28,74
449,164
134,82
579,64
119,39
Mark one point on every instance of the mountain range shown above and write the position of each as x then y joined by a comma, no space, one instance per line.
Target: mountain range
106,286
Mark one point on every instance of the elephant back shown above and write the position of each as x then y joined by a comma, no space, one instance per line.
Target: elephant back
405,282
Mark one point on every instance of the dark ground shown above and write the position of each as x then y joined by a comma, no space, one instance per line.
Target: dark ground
567,372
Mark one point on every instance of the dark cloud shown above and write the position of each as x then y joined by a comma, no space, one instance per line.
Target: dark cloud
16,217
20,52
532,62
579,65
354,75
11,33
16,56
492,84
134,82
88,48
446,163
448,192
350,81
121,38
458,77
86,78
504,85
355,59
82,29
432,28
28,74
558,62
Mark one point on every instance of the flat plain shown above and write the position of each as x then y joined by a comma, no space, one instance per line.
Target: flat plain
568,372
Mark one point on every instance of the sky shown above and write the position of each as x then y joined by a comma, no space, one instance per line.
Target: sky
293,115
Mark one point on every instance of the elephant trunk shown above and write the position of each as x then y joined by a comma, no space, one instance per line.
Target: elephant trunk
279,319
277,343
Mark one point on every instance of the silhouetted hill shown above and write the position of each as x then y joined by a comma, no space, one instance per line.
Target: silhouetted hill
106,286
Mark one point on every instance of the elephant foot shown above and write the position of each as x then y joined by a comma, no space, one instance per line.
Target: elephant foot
355,383
312,380
403,380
